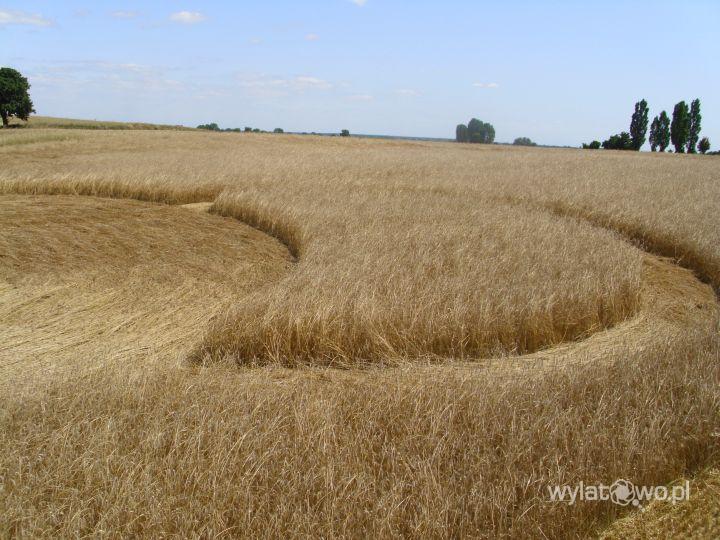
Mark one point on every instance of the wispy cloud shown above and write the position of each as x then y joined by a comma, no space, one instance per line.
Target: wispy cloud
361,97
270,86
124,14
407,92
312,37
359,2
486,85
187,17
106,76
311,82
22,18
255,41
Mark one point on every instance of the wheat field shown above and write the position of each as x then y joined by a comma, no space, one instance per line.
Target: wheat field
232,335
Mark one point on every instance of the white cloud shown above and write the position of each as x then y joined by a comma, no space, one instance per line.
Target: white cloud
486,85
359,2
312,37
105,76
310,82
20,17
269,86
407,92
255,41
361,97
187,17
124,14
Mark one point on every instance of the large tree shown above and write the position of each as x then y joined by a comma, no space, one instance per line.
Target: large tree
680,127
480,132
638,124
461,133
475,126
14,96
694,129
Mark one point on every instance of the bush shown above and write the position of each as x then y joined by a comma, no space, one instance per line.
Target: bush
594,145
704,145
524,141
623,141
345,133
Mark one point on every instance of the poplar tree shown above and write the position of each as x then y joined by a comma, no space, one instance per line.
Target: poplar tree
663,131
680,127
638,124
694,129
654,134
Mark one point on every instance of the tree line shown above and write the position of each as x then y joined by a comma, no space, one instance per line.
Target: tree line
214,127
683,131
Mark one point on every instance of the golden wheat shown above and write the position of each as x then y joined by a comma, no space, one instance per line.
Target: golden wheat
427,266
422,256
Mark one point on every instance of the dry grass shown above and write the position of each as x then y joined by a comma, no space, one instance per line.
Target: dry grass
422,256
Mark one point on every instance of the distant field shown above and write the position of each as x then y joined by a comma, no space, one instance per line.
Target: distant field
44,122
206,334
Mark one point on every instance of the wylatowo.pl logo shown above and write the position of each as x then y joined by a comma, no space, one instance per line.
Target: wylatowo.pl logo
621,492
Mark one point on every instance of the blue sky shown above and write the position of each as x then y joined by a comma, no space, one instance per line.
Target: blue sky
560,72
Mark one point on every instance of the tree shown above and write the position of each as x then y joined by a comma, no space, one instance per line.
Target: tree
704,145
489,133
209,127
663,134
345,133
480,132
694,129
278,130
14,96
680,127
524,141
654,133
475,126
247,129
623,141
594,145
461,133
638,124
